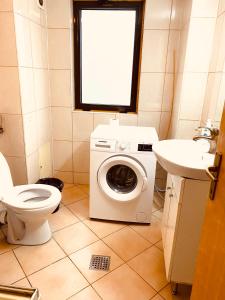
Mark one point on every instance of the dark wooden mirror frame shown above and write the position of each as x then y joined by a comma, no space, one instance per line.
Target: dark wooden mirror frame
78,6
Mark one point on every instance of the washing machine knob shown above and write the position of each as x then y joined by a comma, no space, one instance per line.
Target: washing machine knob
123,146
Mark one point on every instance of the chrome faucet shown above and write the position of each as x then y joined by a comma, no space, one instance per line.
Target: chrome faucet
209,134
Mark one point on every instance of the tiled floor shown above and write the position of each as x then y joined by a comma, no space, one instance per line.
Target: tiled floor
60,268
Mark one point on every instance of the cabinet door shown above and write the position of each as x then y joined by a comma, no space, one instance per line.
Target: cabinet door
170,233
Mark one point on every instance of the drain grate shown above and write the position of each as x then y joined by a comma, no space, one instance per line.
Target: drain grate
99,262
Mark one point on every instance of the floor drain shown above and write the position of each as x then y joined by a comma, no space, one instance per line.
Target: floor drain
99,262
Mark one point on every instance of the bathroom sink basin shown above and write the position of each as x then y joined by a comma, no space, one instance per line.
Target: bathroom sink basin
184,158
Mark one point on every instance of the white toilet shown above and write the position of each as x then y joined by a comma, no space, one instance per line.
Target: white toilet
28,207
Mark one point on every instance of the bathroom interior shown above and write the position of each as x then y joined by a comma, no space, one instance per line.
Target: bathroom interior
181,85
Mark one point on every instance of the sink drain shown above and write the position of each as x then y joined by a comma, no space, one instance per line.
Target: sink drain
99,262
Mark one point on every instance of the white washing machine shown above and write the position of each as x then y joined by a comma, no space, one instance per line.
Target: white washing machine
122,173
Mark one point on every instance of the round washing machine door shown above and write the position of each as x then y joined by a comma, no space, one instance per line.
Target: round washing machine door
122,178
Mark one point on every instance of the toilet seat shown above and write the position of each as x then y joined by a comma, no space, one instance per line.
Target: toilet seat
32,197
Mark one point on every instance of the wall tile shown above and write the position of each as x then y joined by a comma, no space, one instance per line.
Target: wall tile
151,91
164,125
21,7
34,11
39,45
157,14
8,54
204,8
44,128
11,141
30,132
81,178
41,88
27,90
59,13
154,50
45,160
168,95
192,95
9,97
186,129
173,51
220,100
211,96
127,119
23,41
62,123
81,157
103,118
61,89
59,55
66,177
82,125
6,5
149,119
221,7
198,52
176,15
18,170
33,170
62,155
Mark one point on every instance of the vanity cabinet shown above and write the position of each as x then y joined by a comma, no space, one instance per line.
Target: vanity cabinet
183,215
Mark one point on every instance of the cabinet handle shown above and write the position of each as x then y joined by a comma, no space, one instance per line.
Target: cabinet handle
168,188
170,195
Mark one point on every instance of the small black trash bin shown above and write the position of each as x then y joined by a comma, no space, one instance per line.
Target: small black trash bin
59,184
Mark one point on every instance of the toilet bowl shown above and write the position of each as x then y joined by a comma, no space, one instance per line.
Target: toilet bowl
28,207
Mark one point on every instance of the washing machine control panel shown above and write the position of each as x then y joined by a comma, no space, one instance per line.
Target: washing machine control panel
145,147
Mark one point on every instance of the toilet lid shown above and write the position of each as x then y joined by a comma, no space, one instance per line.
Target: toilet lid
32,196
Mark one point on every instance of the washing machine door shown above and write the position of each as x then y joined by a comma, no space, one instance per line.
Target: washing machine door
122,178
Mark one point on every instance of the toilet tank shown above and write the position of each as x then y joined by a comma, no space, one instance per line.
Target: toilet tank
6,182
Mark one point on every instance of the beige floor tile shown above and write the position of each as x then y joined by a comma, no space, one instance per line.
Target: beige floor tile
150,266
103,228
157,297
82,259
86,294
72,194
126,243
61,219
4,246
84,188
75,237
34,258
159,245
22,283
150,232
58,281
184,293
80,208
10,270
123,284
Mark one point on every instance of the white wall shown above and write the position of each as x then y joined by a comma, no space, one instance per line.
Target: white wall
72,128
195,55
32,53
12,140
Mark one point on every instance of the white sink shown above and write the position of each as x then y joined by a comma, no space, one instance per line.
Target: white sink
184,158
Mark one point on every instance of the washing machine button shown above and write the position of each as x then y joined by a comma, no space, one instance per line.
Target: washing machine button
123,146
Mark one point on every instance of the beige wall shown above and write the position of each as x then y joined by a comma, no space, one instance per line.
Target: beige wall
71,129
